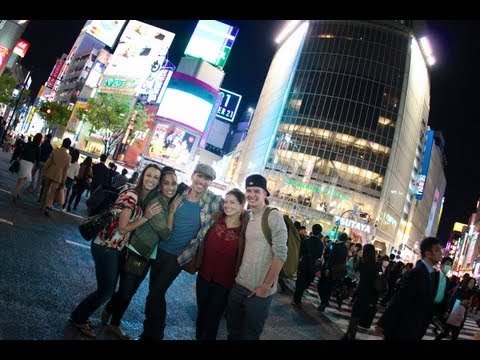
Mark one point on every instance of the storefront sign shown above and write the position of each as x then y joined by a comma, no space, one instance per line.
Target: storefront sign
316,188
353,224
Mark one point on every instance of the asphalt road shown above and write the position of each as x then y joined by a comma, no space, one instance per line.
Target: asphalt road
46,269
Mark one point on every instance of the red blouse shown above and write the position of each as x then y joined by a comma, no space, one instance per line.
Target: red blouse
219,256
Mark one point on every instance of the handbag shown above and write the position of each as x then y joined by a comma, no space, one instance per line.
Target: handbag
195,262
134,264
91,227
15,166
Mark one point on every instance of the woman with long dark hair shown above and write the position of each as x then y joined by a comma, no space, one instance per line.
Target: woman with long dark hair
143,246
365,305
108,244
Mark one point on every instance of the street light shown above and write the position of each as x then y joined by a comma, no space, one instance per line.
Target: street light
24,85
337,223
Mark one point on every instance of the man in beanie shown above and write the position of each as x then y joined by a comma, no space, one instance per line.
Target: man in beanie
250,298
191,215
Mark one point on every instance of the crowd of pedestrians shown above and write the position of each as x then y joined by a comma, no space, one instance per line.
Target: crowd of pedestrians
163,226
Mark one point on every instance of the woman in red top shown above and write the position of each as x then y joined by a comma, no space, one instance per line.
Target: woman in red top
216,275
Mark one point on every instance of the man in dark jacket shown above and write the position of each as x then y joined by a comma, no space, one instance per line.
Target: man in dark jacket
334,271
100,173
45,150
410,310
311,249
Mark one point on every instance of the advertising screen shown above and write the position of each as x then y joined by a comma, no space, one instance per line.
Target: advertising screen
141,50
98,68
187,101
171,145
212,41
4,52
229,105
104,30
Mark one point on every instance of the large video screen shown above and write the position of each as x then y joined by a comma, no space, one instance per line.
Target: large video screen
187,101
104,30
212,41
171,145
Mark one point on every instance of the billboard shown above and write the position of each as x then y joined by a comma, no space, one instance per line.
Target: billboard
104,30
4,52
422,178
55,74
187,101
98,68
229,105
21,48
212,41
171,145
141,48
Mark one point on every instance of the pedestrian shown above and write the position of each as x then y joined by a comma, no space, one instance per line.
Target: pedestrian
45,150
100,173
121,180
455,321
193,212
256,282
29,156
142,244
333,272
81,182
72,173
54,174
365,304
410,310
107,246
311,250
440,312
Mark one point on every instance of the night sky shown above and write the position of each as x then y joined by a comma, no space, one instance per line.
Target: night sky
455,83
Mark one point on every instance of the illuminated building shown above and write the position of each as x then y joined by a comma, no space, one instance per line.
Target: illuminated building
340,128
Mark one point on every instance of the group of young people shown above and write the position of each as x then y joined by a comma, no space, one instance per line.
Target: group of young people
162,226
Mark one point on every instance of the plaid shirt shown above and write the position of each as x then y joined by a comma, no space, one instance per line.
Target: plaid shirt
209,205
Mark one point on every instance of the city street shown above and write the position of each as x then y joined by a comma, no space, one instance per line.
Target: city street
46,269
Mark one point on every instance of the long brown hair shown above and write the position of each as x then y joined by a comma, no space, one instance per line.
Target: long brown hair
139,187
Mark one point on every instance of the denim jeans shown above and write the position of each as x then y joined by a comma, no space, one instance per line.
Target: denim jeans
163,271
212,300
246,316
107,269
129,284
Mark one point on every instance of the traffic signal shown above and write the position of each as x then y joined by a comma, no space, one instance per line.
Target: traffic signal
45,109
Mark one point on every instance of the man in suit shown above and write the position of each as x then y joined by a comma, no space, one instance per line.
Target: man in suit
410,310
311,249
54,173
100,173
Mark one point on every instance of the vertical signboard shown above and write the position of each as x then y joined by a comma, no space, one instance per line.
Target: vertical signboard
4,52
422,178
55,74
229,105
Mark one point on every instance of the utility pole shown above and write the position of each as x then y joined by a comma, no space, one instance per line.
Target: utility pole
10,125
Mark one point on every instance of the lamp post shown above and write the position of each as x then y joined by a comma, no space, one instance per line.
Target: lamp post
24,85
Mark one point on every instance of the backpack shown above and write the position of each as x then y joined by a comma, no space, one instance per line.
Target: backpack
293,242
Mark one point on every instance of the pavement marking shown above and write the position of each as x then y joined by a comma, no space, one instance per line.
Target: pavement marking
68,213
8,192
75,243
6,221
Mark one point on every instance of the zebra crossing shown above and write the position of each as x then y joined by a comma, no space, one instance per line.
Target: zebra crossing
342,317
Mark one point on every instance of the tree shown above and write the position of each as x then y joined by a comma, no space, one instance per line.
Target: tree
109,114
7,84
54,114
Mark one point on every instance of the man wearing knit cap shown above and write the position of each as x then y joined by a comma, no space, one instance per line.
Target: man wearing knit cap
191,214
250,298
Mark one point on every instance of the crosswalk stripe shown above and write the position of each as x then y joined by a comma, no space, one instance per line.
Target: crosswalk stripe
342,318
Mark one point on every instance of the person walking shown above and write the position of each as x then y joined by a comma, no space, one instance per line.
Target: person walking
72,173
365,304
256,282
46,149
143,246
54,174
217,271
410,310
29,156
192,214
81,182
108,244
311,250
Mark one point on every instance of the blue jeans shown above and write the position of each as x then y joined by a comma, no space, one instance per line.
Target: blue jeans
129,284
107,269
163,271
212,300
246,316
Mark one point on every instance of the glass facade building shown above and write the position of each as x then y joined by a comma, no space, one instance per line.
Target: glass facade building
340,121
